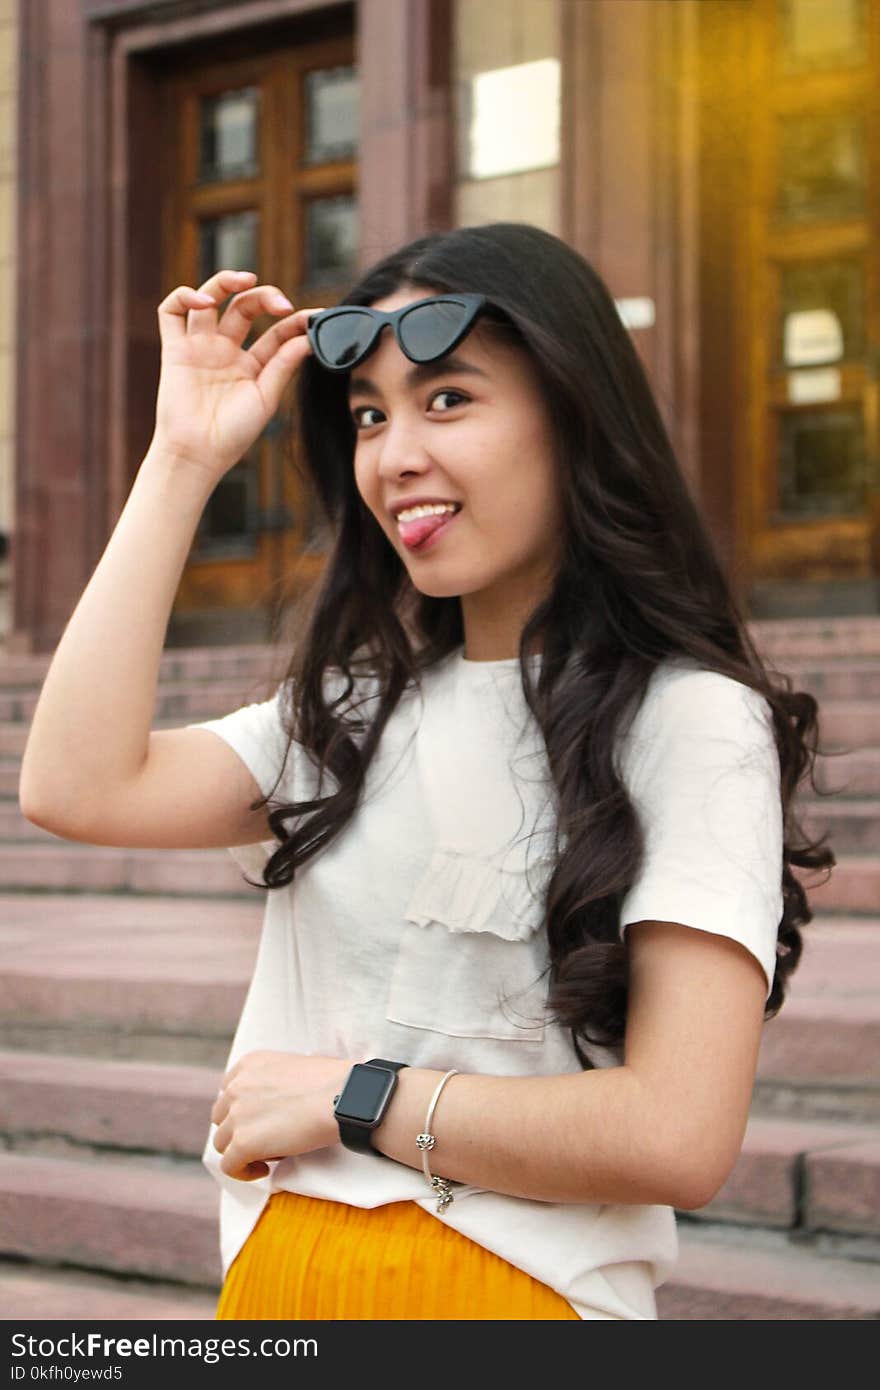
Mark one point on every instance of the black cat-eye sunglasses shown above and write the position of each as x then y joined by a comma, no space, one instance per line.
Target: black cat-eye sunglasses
428,328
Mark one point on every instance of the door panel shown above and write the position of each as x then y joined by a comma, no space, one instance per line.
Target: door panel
811,281
264,179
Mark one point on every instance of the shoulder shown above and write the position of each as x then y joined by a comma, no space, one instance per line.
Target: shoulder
681,694
690,714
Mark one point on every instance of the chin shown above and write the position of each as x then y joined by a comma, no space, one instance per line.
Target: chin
436,588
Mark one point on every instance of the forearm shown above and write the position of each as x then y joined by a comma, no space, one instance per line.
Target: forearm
90,730
583,1137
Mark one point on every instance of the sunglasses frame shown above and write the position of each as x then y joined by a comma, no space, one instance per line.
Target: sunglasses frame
473,303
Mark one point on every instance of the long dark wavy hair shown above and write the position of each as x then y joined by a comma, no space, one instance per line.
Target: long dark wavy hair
639,582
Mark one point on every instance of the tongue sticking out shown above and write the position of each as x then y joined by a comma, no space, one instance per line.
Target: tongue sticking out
414,532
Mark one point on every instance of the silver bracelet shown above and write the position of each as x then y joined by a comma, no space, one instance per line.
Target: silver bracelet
425,1142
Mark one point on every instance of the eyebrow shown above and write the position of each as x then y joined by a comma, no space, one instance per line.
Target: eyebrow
422,371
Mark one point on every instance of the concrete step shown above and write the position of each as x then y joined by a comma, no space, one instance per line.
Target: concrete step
104,1215
784,1178
828,639
164,979
853,885
51,1101
855,679
37,1293
158,979
842,1189
10,775
54,865
14,826
850,684
179,700
793,644
820,1056
847,775
825,639
19,671
14,733
849,724
62,1106
57,865
852,825
13,737
724,1274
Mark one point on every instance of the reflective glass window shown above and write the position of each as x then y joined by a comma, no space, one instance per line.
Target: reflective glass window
332,112
229,136
821,166
331,238
823,462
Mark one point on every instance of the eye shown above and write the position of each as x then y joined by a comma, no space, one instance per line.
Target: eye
355,417
448,392
361,423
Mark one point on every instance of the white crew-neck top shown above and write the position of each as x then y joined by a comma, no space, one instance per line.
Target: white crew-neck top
417,935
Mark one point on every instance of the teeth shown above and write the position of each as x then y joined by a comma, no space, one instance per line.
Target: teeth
434,509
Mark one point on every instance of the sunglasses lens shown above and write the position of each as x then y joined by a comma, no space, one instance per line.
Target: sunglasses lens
428,330
342,339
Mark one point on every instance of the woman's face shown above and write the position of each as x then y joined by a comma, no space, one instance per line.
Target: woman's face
471,428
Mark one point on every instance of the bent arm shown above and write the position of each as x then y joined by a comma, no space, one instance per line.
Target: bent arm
666,1126
90,731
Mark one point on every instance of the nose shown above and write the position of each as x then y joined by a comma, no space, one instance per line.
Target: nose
403,447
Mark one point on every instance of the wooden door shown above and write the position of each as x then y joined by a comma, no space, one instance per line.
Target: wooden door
809,477
264,179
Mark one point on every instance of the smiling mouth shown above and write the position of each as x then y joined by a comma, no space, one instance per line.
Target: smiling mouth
417,533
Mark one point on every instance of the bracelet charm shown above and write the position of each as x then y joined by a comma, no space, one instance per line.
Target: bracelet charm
441,1187
444,1193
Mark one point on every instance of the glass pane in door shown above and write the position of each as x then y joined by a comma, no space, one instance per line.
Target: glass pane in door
229,136
331,239
823,462
332,114
822,312
228,527
817,34
230,242
821,166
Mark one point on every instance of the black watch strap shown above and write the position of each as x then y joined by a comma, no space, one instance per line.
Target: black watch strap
357,1136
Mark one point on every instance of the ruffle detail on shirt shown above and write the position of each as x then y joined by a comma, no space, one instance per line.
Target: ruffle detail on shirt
478,893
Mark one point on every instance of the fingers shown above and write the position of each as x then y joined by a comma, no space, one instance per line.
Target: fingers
234,1161
247,306
282,356
175,307
291,326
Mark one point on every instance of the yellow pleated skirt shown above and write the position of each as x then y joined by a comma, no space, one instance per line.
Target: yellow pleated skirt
308,1258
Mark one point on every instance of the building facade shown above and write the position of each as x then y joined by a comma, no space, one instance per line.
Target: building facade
718,161
8,208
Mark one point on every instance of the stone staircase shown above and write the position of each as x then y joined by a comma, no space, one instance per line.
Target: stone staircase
123,973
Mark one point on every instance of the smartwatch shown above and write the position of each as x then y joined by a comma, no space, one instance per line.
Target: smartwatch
363,1100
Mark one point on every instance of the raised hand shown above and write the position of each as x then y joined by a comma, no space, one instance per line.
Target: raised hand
215,398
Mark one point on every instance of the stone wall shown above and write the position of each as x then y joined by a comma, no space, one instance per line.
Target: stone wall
497,39
8,318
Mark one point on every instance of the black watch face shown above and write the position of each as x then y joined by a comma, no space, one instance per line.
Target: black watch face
364,1092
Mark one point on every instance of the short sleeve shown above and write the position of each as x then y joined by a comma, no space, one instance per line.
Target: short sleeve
256,733
702,768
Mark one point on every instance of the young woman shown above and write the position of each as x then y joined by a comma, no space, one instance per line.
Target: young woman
522,799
